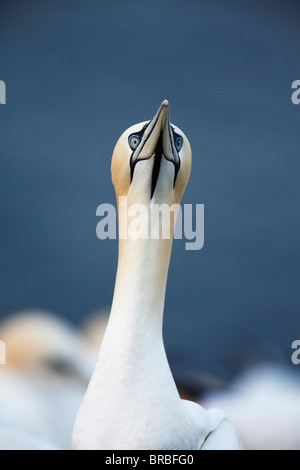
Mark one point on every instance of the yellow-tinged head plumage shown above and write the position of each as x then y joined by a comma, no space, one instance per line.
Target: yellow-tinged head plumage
152,161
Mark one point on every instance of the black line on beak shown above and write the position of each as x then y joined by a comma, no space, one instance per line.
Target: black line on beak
156,167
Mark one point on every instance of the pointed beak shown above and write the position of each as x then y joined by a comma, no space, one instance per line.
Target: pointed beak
159,131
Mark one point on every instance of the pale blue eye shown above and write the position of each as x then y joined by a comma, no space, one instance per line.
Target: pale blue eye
178,143
134,141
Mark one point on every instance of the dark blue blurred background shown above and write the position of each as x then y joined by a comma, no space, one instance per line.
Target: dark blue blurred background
78,73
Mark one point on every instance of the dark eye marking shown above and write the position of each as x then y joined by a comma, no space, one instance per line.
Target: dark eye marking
178,140
134,141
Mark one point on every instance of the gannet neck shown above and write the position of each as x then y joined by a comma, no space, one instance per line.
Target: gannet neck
132,391
136,318
142,269
140,291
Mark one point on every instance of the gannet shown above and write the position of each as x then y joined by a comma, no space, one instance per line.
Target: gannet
48,366
132,401
37,338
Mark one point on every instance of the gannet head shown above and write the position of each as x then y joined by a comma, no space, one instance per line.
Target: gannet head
152,161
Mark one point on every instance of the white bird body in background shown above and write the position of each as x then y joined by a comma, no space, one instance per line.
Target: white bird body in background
12,439
263,402
43,381
132,401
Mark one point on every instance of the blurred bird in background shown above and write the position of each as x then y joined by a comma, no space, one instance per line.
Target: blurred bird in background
48,364
264,405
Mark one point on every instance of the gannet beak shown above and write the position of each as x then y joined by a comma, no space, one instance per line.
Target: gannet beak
169,149
158,138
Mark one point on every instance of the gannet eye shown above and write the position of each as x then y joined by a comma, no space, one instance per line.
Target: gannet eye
178,143
134,141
